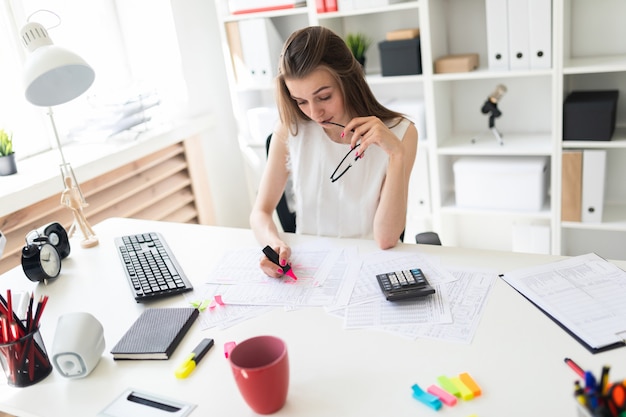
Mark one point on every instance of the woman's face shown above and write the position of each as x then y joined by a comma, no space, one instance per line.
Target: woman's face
319,97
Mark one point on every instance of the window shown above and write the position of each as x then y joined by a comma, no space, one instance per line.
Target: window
132,47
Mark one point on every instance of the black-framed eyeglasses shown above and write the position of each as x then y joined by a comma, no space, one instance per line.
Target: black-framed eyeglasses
345,163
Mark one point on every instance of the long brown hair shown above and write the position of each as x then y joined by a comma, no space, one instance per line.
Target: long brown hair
313,47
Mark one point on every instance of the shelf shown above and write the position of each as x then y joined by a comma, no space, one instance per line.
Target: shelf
618,142
483,73
450,207
595,65
486,144
410,5
613,219
269,14
378,79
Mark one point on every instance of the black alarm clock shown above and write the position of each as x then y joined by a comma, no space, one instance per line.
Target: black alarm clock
41,260
57,237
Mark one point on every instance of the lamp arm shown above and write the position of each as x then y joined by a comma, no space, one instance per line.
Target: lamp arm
56,135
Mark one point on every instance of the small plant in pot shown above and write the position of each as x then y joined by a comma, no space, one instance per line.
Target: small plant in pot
358,44
7,156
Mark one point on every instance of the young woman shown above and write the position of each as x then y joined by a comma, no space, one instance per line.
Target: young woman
327,109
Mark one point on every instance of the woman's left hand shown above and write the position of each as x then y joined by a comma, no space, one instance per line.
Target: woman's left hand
371,130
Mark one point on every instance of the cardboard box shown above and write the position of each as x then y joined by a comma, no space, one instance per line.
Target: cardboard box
456,63
398,35
401,57
590,115
501,182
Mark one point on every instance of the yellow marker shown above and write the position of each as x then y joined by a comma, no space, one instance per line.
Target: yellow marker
470,383
193,359
466,393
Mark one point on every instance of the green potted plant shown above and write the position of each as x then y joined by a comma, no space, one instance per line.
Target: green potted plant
358,44
7,156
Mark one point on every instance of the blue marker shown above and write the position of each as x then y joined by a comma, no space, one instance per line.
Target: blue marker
591,387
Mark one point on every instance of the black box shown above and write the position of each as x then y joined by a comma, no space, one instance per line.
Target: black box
402,57
589,115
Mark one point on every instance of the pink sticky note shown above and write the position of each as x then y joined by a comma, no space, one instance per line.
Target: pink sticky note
443,395
228,347
218,300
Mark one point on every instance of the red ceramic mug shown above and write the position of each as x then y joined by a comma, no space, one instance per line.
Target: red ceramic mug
261,369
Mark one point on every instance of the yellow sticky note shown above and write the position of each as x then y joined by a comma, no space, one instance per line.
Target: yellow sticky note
466,393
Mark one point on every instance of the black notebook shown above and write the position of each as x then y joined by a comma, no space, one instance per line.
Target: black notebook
155,334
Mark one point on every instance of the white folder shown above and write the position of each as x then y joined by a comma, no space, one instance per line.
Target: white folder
497,34
594,167
261,45
540,46
519,34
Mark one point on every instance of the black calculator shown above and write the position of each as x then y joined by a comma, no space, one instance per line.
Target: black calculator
402,285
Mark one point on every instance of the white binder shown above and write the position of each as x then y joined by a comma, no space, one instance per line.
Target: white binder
497,34
540,46
261,45
519,34
594,167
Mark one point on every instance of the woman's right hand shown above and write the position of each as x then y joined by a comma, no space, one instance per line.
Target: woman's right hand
270,268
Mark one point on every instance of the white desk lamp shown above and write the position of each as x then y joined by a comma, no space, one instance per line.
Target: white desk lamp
54,75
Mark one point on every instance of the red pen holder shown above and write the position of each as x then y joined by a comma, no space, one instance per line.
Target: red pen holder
25,360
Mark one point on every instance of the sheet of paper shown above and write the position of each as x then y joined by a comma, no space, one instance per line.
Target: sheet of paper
467,296
219,315
585,294
241,266
380,312
367,288
250,286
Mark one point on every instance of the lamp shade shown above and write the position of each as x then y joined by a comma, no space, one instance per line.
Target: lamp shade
52,75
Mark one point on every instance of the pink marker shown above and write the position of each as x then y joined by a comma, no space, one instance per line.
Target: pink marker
273,256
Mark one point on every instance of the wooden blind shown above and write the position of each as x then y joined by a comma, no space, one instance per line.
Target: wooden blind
169,185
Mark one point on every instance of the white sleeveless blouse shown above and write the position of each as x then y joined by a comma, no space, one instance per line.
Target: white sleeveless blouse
346,207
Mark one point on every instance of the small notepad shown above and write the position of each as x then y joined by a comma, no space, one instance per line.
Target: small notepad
155,334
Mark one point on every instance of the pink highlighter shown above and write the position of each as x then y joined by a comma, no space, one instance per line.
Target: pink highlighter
273,256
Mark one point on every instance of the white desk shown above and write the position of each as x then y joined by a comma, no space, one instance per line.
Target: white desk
516,356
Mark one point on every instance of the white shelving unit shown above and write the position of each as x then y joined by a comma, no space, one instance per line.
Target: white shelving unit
589,52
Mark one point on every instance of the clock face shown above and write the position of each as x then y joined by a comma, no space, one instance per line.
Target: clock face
50,260
54,239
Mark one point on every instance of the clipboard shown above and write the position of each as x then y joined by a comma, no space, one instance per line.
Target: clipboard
571,333
595,286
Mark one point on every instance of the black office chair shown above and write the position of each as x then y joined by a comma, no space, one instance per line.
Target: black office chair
427,238
286,217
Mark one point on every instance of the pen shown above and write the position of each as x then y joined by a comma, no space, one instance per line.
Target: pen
194,358
575,367
604,380
273,256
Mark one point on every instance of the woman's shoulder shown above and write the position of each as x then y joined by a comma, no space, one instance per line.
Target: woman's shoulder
399,125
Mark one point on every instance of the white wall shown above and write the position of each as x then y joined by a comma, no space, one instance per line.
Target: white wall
205,74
